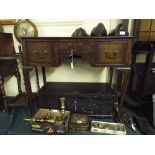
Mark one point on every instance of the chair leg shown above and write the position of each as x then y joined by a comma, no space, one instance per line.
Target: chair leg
3,93
37,77
18,77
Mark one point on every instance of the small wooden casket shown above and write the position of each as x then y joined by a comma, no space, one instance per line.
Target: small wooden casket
79,122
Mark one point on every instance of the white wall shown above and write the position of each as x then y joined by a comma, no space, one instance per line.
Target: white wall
82,71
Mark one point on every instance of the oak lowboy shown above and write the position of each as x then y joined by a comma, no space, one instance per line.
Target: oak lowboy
47,51
109,51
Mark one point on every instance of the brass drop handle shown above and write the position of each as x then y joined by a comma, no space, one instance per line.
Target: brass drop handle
80,45
111,55
45,52
40,53
69,45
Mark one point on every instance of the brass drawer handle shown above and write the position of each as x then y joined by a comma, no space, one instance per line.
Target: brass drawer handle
80,45
40,53
45,52
110,55
69,45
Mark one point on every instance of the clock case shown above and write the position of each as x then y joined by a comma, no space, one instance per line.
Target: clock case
21,22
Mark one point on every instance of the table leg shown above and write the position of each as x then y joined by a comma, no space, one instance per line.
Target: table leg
37,77
124,87
44,75
28,89
111,70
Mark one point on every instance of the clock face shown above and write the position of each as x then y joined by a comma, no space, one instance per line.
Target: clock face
25,28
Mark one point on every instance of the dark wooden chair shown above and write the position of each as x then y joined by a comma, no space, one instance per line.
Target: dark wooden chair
9,67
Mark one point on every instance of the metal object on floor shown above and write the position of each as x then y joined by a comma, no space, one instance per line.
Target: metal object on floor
49,121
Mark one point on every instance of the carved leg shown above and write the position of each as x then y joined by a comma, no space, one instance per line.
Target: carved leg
37,77
44,75
28,89
18,77
3,93
125,80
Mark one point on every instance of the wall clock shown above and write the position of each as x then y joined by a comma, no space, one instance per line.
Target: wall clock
25,28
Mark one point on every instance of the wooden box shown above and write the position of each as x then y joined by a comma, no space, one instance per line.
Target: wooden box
84,98
79,122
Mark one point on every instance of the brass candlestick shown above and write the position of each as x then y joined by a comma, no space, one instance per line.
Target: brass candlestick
62,101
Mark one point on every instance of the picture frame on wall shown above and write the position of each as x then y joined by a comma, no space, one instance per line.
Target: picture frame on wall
7,21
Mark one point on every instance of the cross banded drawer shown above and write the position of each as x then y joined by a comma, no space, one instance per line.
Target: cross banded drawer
76,46
40,52
114,52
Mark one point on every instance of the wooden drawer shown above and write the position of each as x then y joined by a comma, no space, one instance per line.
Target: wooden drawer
40,52
111,52
78,46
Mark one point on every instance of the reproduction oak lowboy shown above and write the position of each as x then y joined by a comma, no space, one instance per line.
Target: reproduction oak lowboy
112,52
